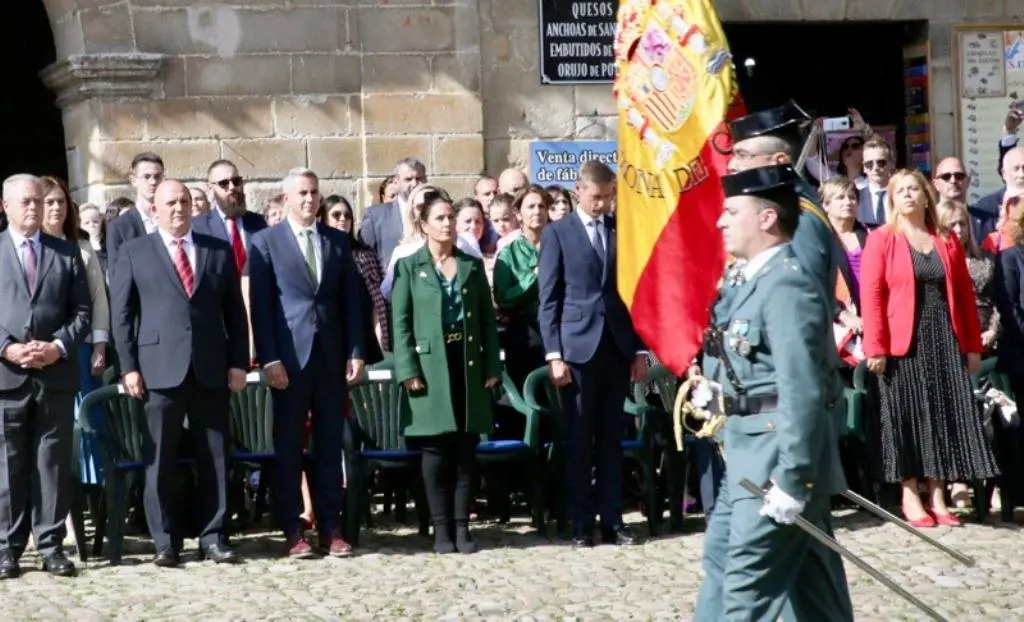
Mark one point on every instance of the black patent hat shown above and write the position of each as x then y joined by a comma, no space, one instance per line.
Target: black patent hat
778,180
786,122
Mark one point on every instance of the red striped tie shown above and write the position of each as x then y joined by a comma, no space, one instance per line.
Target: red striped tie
237,247
183,267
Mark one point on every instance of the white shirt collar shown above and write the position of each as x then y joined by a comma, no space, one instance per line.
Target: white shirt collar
19,239
142,212
297,229
586,218
169,239
874,189
759,260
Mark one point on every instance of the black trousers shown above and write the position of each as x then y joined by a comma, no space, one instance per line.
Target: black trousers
207,410
449,460
36,454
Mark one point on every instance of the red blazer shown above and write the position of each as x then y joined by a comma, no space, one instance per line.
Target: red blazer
888,291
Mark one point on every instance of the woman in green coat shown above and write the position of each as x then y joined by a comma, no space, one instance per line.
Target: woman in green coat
446,354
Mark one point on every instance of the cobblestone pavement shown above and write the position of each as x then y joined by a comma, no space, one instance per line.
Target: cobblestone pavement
516,576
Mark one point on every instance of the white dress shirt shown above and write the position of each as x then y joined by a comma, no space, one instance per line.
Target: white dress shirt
236,222
170,244
758,261
297,232
866,214
19,240
586,219
147,220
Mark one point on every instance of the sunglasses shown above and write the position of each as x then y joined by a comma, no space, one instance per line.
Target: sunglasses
338,214
870,164
226,183
853,146
957,175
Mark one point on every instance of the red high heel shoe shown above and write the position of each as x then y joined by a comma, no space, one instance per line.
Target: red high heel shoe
924,522
946,520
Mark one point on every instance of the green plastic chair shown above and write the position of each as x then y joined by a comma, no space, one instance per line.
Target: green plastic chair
675,466
123,443
525,452
375,441
639,448
251,448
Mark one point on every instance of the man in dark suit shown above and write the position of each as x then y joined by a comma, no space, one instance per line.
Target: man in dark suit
306,319
147,173
228,218
592,351
45,315
382,224
182,336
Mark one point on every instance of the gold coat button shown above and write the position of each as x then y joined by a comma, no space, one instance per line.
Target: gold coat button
469,314
470,338
809,485
470,363
770,425
465,291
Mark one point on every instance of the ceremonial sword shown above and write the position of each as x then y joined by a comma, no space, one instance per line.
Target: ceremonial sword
810,529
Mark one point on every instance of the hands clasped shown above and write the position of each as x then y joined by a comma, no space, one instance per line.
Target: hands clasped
780,507
32,355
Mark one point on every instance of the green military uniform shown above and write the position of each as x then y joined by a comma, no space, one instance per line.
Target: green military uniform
816,244
770,330
423,308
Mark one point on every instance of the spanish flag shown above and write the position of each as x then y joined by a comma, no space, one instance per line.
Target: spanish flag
676,89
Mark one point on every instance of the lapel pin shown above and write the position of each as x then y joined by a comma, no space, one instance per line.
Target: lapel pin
423,275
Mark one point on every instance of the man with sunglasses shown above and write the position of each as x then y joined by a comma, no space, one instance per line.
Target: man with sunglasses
878,166
228,218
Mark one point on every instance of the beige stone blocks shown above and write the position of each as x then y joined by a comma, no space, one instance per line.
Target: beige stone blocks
336,157
241,75
457,155
313,116
382,152
423,113
108,161
400,29
265,158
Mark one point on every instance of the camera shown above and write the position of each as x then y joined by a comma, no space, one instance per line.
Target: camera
836,124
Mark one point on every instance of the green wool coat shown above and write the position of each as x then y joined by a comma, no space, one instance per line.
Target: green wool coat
419,343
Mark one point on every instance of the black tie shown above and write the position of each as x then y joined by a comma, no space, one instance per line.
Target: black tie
880,208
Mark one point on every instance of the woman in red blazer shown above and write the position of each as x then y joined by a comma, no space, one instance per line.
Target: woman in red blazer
922,338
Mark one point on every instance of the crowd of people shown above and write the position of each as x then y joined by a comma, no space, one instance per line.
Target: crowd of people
184,290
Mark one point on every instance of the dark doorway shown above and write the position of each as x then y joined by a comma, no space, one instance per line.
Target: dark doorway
31,127
827,67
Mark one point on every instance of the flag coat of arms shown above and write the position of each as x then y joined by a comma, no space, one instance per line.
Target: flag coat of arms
675,89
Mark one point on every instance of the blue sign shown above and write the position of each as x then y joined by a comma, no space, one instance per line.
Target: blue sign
556,163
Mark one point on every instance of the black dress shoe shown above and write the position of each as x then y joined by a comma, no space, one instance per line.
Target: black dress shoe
618,536
9,568
582,538
58,565
219,554
167,559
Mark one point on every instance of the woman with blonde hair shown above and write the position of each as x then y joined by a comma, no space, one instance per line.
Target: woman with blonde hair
923,339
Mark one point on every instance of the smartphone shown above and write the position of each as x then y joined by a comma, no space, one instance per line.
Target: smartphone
836,124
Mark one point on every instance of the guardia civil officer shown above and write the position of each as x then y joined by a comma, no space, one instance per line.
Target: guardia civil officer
767,352
766,138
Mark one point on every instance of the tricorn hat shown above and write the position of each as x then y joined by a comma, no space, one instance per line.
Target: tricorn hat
764,181
786,122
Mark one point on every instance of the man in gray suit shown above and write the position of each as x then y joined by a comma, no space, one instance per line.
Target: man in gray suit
44,316
382,225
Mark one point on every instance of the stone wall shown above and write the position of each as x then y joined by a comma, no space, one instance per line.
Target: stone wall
349,86
346,87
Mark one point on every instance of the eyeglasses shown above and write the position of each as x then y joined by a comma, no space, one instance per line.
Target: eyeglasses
338,215
870,164
226,183
957,175
853,146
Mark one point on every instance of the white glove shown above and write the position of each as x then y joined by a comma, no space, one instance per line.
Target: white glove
780,507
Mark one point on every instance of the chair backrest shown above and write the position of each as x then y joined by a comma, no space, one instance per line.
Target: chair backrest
380,409
252,417
118,421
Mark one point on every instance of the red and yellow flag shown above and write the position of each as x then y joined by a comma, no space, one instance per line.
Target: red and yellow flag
676,88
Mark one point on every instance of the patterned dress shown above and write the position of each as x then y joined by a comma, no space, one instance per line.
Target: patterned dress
982,270
930,427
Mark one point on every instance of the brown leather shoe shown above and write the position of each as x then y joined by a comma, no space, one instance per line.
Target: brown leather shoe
299,547
334,545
